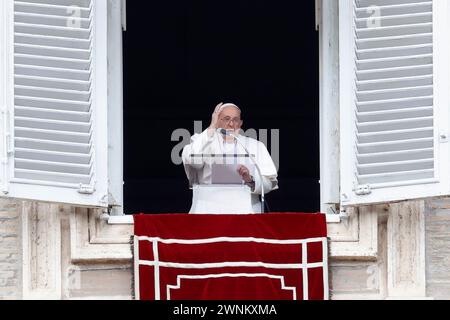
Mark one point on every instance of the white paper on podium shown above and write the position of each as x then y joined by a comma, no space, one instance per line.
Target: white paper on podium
228,173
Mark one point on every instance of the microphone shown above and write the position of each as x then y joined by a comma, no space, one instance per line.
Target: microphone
229,133
222,131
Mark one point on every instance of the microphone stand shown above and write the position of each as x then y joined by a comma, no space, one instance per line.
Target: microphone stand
225,132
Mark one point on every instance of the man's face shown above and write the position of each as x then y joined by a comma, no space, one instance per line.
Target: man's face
230,119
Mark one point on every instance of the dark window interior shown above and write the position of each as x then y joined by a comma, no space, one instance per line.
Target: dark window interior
182,57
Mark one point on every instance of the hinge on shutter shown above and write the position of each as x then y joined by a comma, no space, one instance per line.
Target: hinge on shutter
86,189
8,143
363,190
9,149
104,200
124,14
318,7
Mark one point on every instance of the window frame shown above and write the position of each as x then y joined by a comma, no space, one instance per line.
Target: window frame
328,27
116,25
6,85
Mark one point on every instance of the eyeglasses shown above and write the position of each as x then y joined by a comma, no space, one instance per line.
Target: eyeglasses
227,120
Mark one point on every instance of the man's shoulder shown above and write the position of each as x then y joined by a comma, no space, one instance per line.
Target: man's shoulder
251,140
247,138
197,135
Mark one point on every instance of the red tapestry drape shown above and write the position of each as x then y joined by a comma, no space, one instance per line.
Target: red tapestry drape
272,256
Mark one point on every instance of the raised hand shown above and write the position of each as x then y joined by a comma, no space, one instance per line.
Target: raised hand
214,120
215,117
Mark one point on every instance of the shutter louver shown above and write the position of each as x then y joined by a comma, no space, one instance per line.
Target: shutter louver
54,61
53,80
394,91
394,77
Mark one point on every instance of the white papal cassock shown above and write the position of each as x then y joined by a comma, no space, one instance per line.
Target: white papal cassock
204,150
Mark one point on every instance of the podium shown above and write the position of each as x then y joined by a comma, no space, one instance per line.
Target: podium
271,256
222,199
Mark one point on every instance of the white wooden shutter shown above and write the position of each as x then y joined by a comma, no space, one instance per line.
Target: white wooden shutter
394,85
58,111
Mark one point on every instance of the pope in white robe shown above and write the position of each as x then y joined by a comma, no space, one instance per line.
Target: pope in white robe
209,147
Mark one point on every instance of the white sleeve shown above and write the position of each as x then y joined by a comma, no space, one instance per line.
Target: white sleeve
193,154
269,183
268,170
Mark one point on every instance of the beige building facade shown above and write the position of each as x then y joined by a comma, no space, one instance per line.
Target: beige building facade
52,251
379,249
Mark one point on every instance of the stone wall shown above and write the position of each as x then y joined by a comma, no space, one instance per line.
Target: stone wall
10,251
378,252
52,251
437,235
357,261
